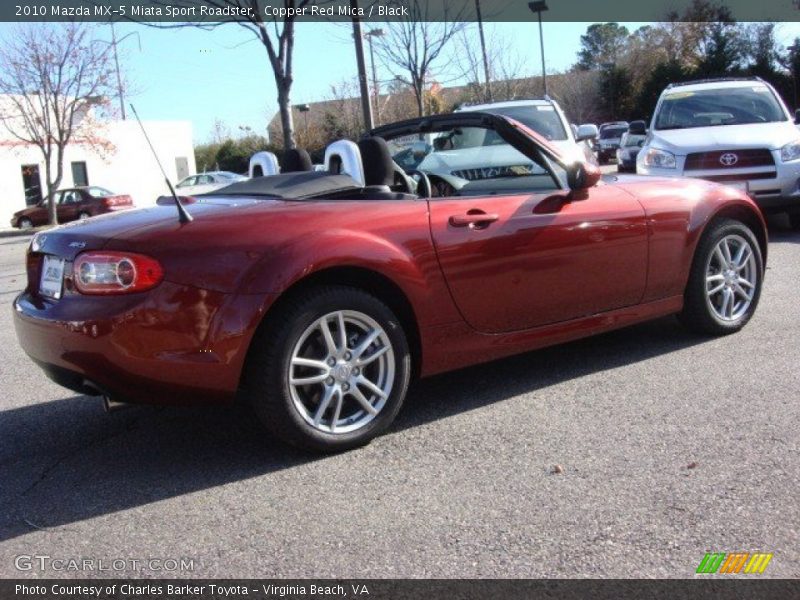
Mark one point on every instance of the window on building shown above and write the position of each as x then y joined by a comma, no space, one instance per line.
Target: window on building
79,175
32,184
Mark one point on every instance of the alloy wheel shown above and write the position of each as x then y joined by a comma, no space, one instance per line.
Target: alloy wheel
341,372
731,278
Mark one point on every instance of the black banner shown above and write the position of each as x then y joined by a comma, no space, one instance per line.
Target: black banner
180,11
398,589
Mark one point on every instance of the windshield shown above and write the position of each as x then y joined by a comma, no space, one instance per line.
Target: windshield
98,192
612,132
543,119
721,106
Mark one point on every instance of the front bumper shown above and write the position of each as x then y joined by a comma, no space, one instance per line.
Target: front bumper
772,188
156,347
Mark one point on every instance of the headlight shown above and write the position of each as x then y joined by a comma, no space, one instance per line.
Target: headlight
790,151
659,158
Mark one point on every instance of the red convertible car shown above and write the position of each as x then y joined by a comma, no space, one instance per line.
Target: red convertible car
317,296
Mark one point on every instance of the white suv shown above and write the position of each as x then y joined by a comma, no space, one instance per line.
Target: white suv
734,131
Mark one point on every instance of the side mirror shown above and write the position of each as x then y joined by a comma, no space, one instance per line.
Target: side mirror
587,131
582,176
637,128
640,143
797,116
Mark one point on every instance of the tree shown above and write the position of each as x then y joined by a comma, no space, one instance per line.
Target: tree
276,35
414,44
53,77
602,43
616,92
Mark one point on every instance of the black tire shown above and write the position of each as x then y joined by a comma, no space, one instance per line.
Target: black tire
698,313
25,223
266,378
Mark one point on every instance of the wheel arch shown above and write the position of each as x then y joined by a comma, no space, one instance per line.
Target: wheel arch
748,216
368,280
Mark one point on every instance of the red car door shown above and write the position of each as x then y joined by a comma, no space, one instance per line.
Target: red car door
525,260
67,208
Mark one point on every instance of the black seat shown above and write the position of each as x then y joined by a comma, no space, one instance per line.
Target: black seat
296,160
377,161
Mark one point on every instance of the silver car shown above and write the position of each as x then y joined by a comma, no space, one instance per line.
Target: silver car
733,131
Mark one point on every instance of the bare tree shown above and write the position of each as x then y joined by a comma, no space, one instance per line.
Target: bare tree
507,68
52,78
276,35
412,47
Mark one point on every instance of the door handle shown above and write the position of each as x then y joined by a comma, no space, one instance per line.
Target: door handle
474,218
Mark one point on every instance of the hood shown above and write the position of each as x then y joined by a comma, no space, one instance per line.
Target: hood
503,155
725,137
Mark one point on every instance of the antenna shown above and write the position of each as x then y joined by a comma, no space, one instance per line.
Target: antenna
183,215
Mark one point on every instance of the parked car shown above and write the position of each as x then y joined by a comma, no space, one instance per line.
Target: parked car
629,145
203,183
72,204
610,135
316,298
735,131
545,117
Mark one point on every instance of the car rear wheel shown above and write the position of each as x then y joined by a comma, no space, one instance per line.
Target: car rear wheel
726,278
25,223
330,370
83,215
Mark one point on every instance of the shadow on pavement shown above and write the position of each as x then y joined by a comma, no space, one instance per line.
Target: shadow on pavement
66,460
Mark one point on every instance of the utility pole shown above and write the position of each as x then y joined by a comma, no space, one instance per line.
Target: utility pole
372,33
366,105
119,77
483,51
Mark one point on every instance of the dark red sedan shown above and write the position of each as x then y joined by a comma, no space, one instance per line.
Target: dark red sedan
71,205
317,296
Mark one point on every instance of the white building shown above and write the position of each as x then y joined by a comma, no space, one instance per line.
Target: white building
125,166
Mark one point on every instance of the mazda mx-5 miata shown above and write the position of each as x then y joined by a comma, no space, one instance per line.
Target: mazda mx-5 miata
316,296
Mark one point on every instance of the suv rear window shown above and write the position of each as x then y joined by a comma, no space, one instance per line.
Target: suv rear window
720,106
612,132
543,119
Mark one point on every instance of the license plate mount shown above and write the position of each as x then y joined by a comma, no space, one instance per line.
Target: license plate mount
52,279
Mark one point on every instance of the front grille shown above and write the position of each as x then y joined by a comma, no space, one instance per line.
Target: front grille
493,172
734,159
742,176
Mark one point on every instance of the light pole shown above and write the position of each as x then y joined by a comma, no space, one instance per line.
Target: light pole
539,7
373,33
304,108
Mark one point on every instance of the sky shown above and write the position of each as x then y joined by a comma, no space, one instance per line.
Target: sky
223,74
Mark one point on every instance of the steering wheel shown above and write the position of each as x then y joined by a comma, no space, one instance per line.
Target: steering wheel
423,182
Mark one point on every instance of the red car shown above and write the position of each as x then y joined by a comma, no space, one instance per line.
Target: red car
71,205
317,296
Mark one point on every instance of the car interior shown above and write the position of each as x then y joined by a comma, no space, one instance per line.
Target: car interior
366,170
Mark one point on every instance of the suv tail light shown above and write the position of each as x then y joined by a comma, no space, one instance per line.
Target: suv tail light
115,273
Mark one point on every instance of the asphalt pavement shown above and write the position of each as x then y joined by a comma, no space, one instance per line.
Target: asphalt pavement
631,454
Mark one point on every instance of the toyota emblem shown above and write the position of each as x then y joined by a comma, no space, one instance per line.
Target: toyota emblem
728,159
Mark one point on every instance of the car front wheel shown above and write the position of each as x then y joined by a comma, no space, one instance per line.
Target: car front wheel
330,371
25,223
725,281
